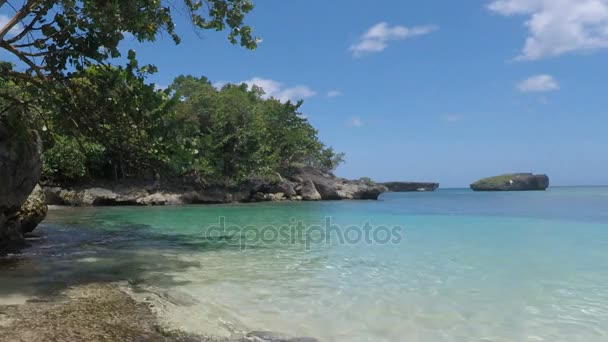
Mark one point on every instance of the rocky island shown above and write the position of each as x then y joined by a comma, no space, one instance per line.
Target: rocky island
411,186
513,182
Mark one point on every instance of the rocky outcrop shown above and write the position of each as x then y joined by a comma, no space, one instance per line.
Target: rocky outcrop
308,191
513,182
331,187
20,166
33,211
410,186
305,185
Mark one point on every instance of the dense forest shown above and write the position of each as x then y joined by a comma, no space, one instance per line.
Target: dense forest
101,120
125,128
128,129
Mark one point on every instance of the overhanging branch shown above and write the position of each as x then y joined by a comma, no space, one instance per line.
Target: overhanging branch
18,17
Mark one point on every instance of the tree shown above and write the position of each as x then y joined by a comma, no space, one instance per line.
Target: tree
52,39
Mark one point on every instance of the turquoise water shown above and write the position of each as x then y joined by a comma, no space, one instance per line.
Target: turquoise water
465,267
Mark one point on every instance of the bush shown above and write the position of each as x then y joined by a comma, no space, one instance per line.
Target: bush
67,159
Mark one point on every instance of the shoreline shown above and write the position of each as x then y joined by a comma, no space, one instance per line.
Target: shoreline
305,185
92,312
102,312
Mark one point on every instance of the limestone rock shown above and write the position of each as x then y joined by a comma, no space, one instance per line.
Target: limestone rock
411,186
33,211
330,187
20,166
309,192
513,182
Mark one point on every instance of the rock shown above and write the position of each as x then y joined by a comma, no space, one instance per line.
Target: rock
20,166
286,188
315,186
269,336
308,192
33,211
208,196
154,199
89,197
98,197
410,186
259,197
330,187
513,182
278,197
52,196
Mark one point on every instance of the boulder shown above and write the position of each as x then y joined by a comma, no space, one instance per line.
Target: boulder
308,192
208,196
513,182
286,188
33,211
20,166
330,187
159,198
52,195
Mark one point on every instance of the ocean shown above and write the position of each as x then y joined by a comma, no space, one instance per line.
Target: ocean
451,265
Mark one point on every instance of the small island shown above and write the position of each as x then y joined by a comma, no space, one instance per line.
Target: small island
513,182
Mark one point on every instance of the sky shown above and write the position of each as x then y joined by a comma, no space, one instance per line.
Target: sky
433,90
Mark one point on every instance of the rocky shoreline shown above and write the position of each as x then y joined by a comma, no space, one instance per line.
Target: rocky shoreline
305,185
101,313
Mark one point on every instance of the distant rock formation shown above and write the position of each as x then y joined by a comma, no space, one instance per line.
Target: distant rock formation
513,182
410,186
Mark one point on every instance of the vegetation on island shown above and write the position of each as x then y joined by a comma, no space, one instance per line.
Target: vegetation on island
496,181
102,120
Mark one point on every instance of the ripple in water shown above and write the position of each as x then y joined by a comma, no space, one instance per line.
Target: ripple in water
472,267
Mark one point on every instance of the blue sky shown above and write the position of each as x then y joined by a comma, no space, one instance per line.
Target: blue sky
432,90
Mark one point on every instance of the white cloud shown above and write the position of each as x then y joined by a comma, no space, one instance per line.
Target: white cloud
376,39
558,27
333,93
275,89
539,83
4,20
355,122
452,118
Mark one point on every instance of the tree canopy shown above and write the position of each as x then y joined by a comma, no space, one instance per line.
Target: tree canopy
190,129
100,120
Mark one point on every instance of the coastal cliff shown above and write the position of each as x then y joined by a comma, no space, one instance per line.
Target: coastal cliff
410,186
20,163
513,182
306,184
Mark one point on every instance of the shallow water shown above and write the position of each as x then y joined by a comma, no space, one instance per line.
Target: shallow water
466,266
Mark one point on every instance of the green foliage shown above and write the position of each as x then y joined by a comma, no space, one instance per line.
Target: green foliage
69,159
191,129
245,135
367,180
328,160
58,40
497,181
73,34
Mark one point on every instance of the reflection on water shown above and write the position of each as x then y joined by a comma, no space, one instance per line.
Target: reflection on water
486,267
